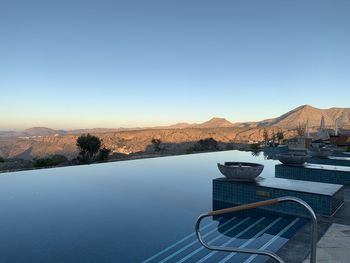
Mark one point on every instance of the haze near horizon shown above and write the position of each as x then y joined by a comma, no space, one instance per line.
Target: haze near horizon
78,64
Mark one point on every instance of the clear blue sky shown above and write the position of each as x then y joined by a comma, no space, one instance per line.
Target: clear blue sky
73,64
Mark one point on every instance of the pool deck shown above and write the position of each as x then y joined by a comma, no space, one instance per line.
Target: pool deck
330,231
334,246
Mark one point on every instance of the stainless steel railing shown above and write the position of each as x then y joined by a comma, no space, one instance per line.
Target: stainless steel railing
255,205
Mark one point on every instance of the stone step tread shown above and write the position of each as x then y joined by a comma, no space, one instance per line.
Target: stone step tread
334,246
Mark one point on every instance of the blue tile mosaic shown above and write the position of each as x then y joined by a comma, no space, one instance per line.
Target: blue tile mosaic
323,202
324,174
337,161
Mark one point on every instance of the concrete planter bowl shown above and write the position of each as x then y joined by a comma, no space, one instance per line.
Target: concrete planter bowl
293,159
319,153
240,171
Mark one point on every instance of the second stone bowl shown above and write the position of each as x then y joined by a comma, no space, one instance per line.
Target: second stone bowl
293,159
240,171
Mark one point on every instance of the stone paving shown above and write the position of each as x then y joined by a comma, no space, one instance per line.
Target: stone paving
333,238
334,246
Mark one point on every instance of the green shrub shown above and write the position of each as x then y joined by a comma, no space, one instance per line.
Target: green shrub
156,145
57,158
2,160
189,150
229,147
103,154
43,162
255,146
208,144
348,149
49,162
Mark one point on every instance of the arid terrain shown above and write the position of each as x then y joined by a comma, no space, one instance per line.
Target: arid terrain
41,142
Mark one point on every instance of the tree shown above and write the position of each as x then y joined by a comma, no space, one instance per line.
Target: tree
88,146
255,146
266,136
273,137
156,145
300,130
280,136
208,144
103,154
203,145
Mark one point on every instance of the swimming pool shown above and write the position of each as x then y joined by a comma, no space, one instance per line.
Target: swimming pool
125,212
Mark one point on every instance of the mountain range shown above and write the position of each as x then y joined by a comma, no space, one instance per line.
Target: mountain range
289,120
39,142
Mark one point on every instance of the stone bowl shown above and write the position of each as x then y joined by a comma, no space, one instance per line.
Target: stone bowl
319,153
240,171
292,158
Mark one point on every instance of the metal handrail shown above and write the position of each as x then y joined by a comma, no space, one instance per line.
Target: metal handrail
255,205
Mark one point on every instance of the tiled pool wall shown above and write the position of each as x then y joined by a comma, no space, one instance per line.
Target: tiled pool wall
328,161
314,175
235,193
255,212
341,154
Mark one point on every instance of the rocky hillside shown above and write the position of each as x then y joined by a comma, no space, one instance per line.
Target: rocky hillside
303,113
174,140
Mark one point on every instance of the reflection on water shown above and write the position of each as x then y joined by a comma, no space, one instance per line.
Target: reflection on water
246,218
101,212
256,153
269,155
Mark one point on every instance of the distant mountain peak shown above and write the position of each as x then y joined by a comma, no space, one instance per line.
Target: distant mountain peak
37,128
215,122
218,119
306,106
180,125
41,131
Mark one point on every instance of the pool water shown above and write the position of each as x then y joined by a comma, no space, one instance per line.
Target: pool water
266,233
127,212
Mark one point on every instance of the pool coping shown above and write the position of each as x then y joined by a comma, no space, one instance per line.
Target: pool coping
259,183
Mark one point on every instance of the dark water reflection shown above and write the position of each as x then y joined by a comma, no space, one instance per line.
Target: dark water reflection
102,212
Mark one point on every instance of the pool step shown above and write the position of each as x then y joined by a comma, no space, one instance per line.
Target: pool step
324,198
246,232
